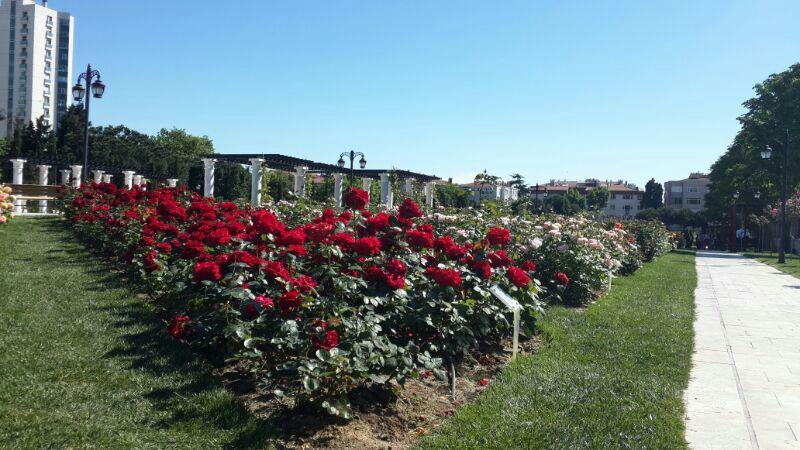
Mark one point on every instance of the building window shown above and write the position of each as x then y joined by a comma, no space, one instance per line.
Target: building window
692,201
692,188
627,196
676,189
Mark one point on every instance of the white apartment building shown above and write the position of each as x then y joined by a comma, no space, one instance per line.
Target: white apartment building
35,63
689,193
624,201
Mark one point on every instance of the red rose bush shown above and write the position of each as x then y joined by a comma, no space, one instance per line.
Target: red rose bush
315,303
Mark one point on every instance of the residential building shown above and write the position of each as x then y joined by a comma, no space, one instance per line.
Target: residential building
35,63
689,193
500,191
624,201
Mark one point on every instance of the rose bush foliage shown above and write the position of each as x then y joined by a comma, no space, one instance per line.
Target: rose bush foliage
316,303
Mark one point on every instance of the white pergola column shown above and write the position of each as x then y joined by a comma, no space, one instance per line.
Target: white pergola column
338,178
366,184
43,173
128,174
107,178
386,189
409,186
97,175
208,177
65,174
256,178
77,173
137,180
429,187
300,181
143,183
172,182
16,177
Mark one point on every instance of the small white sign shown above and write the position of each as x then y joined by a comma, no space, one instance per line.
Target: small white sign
507,300
515,307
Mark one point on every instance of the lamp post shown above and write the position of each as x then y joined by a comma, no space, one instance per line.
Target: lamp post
96,88
767,154
352,155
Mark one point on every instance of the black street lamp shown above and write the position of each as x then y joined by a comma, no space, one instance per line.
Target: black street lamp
767,154
97,89
352,155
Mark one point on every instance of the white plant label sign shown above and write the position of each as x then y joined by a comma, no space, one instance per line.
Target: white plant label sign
513,305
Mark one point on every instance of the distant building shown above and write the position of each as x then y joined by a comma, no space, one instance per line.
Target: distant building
501,191
687,194
625,199
35,63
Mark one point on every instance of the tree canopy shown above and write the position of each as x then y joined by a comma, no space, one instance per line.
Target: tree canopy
772,114
653,196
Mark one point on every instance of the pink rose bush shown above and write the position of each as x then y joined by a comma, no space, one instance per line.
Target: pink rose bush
6,204
316,303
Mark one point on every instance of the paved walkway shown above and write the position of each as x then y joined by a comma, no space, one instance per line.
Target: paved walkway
744,390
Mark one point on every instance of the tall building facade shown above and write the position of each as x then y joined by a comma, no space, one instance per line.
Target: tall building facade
689,193
35,63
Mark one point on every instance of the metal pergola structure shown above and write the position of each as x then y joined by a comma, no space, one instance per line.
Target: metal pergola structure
56,162
289,163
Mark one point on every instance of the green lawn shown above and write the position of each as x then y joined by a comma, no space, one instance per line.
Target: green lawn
612,377
84,363
792,266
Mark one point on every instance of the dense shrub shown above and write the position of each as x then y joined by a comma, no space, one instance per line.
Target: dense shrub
653,238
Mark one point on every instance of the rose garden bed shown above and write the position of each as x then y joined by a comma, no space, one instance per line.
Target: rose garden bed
352,312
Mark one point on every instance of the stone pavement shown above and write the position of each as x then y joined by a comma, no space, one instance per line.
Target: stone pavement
744,390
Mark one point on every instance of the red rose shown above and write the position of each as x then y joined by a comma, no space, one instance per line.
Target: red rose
179,326
305,283
444,277
264,222
482,268
265,302
367,246
396,267
561,279
378,222
356,198
343,240
518,277
419,239
409,209
528,266
290,301
498,236
293,237
276,269
164,247
219,236
499,259
328,340
207,270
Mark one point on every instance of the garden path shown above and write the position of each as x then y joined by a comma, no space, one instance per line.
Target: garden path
744,390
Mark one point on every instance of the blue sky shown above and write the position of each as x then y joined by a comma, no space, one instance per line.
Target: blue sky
550,89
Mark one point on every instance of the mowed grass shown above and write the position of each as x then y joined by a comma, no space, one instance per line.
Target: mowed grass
85,363
610,377
792,265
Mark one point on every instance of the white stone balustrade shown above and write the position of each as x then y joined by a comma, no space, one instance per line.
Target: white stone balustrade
77,174
44,171
17,166
338,179
128,178
386,190
256,178
300,181
208,176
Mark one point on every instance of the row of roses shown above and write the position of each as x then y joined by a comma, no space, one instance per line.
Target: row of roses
317,302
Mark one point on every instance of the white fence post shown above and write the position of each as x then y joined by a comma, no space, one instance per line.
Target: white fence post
256,177
208,177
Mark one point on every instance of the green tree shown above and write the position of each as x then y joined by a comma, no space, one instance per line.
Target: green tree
450,195
770,114
597,198
653,195
482,180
